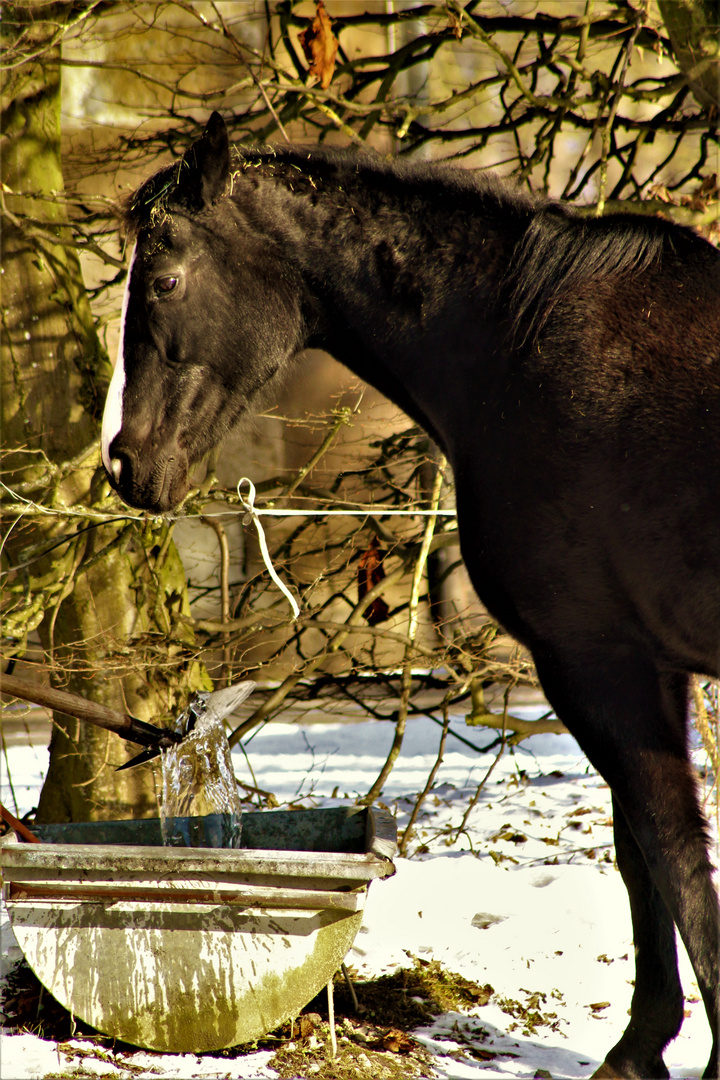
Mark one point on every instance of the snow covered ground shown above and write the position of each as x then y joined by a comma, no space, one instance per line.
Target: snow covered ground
525,898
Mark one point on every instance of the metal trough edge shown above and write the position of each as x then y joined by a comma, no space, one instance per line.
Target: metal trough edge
183,862
246,897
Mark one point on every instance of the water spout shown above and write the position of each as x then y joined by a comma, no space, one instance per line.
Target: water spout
197,773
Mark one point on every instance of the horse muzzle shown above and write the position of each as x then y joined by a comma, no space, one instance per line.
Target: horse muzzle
158,486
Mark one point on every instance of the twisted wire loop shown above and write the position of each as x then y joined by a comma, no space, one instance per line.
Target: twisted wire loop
248,504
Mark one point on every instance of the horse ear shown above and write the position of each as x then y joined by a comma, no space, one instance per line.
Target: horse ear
207,165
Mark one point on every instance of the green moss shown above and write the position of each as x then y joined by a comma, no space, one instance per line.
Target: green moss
410,997
374,1042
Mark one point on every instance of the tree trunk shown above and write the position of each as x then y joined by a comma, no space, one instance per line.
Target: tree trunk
104,598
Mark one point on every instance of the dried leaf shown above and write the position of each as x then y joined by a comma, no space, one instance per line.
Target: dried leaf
397,1042
455,24
320,46
482,1055
659,191
306,1024
709,187
370,573
706,193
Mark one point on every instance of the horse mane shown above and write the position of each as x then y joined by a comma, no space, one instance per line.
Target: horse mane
356,168
561,252
360,167
556,254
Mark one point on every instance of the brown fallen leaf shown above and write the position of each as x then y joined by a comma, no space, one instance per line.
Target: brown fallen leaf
397,1042
302,1027
320,46
480,1054
371,573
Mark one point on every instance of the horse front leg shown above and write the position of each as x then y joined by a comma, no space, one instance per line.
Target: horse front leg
630,719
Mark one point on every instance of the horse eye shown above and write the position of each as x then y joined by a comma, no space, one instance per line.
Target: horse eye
164,285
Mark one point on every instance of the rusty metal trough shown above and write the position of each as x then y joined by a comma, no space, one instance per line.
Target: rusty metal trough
194,948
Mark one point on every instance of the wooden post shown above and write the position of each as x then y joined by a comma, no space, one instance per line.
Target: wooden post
331,1017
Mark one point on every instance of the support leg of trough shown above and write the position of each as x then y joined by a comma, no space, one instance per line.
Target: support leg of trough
331,1017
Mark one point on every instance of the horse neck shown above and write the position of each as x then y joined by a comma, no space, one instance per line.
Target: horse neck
405,265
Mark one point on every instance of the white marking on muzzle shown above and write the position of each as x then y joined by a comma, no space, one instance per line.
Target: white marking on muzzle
113,413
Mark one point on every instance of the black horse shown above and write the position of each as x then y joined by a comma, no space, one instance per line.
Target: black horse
570,370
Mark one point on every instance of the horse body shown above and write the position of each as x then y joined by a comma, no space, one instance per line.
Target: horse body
570,371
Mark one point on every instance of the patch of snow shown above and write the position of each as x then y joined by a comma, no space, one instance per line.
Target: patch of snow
525,896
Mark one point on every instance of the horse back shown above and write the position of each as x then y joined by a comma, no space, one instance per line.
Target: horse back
594,507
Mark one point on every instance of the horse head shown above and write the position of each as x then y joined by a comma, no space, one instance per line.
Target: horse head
211,313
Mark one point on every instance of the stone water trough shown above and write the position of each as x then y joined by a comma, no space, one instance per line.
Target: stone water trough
194,948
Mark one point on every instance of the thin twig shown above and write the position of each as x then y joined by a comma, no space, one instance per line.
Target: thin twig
473,802
406,687
407,832
342,418
640,19
238,52
222,539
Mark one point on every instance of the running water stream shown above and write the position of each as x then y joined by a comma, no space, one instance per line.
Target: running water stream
197,773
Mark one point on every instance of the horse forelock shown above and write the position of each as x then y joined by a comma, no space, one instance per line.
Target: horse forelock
148,203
